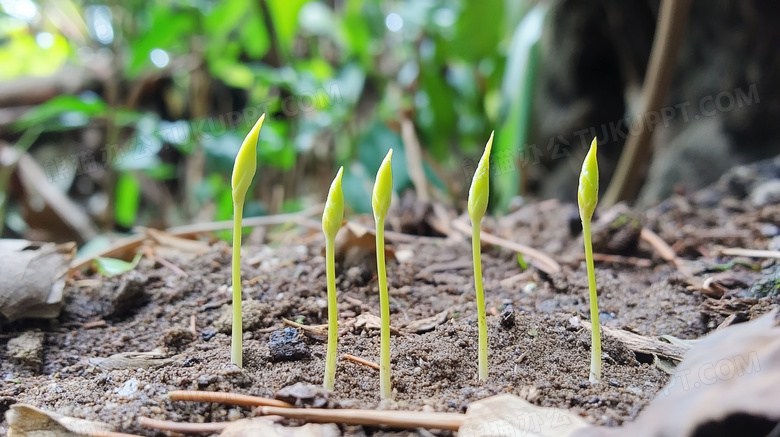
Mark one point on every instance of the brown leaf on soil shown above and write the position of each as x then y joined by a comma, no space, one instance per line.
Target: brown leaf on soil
28,421
730,376
132,360
642,344
264,427
369,322
316,332
31,286
509,415
427,324
355,244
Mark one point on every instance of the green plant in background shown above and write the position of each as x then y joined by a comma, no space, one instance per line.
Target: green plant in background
587,198
331,222
478,200
380,201
243,173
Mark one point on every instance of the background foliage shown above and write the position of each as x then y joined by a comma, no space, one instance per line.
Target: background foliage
171,87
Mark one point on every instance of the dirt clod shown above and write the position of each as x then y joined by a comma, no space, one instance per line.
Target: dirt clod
26,350
289,344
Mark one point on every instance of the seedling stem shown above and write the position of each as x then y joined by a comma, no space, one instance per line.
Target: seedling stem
587,198
332,217
477,206
380,202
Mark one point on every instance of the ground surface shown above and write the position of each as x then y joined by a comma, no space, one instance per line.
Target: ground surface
542,357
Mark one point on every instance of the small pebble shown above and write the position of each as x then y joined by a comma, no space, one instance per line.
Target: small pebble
288,345
208,334
508,317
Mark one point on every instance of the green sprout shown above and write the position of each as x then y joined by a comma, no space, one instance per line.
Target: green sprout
380,201
331,222
587,198
478,200
243,172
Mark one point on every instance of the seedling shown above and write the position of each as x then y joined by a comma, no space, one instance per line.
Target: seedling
243,171
331,222
478,200
380,201
587,198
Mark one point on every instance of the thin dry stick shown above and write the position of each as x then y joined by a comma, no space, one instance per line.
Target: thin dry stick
619,259
225,398
362,361
541,260
193,326
110,434
664,250
187,428
94,324
414,160
626,182
395,419
134,242
750,253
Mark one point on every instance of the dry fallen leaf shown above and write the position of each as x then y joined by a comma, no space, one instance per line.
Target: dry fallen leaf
31,286
508,415
356,246
28,421
427,324
133,360
263,427
730,375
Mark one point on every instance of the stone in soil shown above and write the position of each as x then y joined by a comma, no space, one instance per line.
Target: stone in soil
289,344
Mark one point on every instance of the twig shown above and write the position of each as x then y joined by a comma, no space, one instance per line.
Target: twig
268,220
362,361
672,18
34,178
751,253
193,326
664,250
414,160
134,242
149,252
95,324
395,419
618,259
541,260
187,428
225,398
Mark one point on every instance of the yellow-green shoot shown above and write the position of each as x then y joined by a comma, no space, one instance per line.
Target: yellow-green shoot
243,172
332,217
587,198
478,200
380,201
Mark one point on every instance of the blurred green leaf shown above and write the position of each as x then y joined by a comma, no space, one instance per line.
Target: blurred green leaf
109,267
285,17
235,74
87,106
436,111
518,92
169,28
255,37
21,55
479,29
127,198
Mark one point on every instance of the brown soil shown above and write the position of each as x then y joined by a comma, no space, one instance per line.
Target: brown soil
542,356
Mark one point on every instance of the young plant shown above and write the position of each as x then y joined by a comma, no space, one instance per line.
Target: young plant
478,200
380,201
243,171
587,198
331,222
